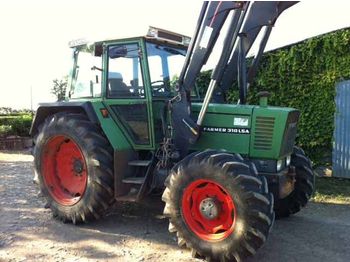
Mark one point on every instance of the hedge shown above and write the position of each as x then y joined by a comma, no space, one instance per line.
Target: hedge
304,76
17,125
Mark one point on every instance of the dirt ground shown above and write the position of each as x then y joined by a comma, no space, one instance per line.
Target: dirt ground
137,232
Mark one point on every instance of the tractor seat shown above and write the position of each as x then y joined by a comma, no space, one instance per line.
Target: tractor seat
116,86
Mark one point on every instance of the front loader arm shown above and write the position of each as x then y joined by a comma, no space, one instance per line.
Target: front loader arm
210,22
261,14
246,22
205,38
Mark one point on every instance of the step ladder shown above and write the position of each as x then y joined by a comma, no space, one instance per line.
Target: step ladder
138,184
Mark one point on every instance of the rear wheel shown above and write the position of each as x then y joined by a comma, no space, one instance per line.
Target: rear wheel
218,206
303,188
74,165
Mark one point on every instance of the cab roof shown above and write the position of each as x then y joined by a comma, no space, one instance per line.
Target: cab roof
154,33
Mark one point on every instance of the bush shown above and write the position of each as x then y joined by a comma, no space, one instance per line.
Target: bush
21,125
5,130
16,125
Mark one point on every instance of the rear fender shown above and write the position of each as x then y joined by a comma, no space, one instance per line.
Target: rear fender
46,109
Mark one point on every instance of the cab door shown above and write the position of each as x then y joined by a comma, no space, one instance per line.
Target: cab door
127,95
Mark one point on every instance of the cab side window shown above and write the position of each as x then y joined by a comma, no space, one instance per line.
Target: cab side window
124,72
87,79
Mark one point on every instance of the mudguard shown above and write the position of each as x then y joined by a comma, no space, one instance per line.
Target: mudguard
46,109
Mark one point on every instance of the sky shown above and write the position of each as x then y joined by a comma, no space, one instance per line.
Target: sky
34,34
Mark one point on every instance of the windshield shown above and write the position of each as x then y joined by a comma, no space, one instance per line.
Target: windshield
165,64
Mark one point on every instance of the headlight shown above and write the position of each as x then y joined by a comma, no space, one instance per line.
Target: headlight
279,165
288,159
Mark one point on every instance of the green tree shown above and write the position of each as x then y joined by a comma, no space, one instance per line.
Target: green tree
5,110
59,88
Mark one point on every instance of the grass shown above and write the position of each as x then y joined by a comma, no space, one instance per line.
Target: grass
332,190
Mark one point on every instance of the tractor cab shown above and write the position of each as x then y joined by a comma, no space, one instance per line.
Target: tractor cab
134,77
130,66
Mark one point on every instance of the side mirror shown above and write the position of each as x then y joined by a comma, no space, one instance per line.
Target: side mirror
118,51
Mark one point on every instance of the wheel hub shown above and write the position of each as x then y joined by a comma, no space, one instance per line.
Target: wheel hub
78,167
210,208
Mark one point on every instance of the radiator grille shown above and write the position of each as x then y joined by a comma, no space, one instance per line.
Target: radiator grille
263,136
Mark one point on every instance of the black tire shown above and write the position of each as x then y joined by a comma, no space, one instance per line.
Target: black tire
97,154
303,188
253,204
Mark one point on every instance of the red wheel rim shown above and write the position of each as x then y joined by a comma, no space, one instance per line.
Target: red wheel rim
64,170
215,229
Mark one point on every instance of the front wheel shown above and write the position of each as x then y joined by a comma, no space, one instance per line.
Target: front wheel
218,206
74,165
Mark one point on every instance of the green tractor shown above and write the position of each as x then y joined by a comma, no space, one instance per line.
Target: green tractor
134,123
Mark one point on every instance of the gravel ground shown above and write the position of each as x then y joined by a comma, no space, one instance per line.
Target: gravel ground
137,232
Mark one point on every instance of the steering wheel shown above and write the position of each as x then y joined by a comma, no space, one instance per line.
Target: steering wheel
159,86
